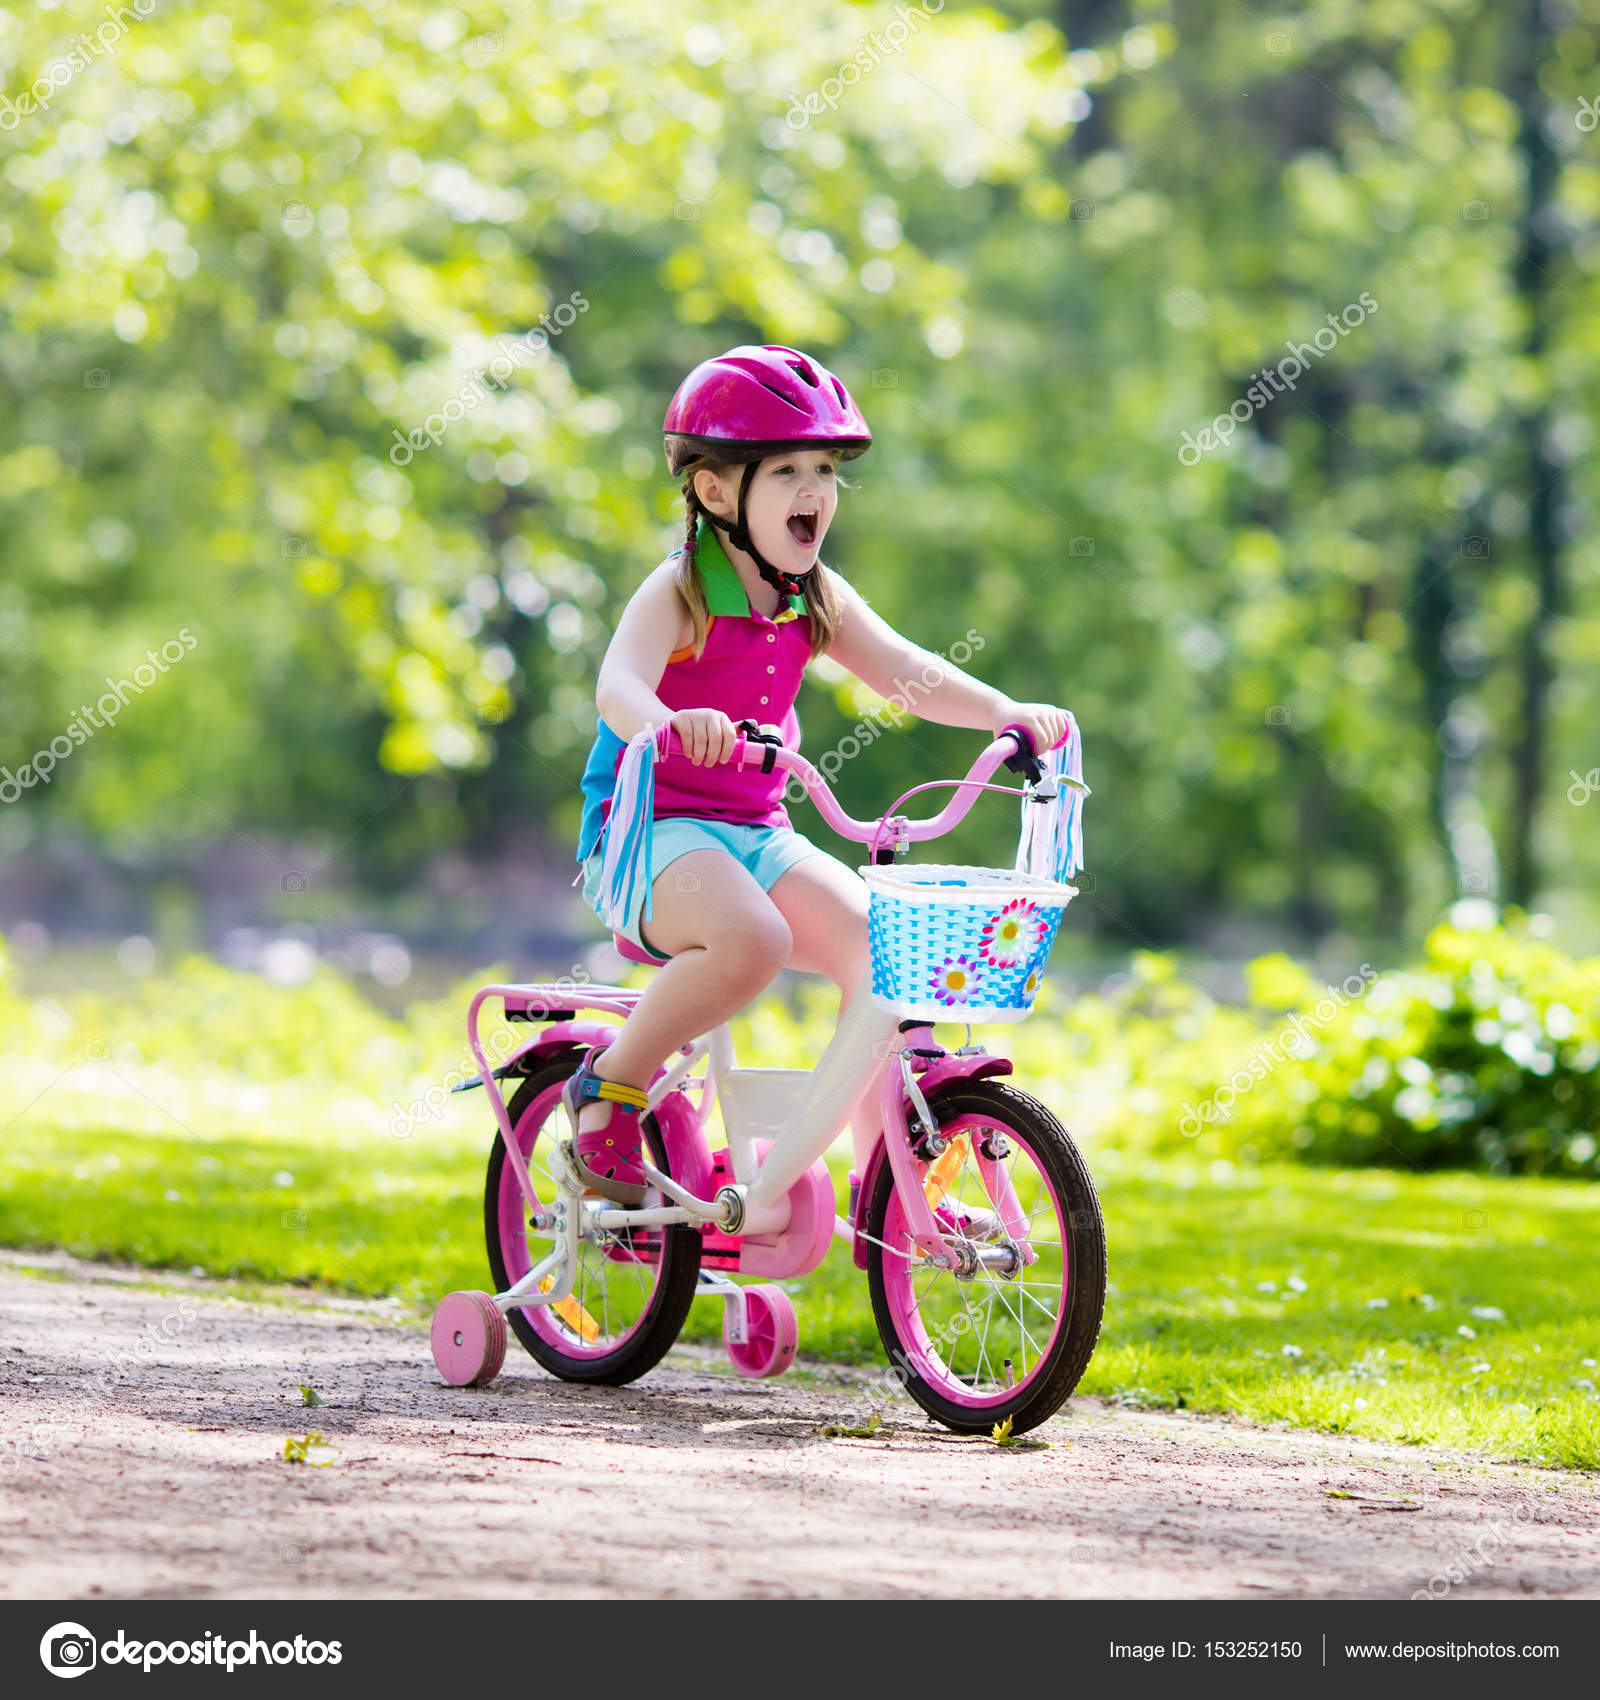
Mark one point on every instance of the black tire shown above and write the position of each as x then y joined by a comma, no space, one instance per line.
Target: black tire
680,1257
1084,1242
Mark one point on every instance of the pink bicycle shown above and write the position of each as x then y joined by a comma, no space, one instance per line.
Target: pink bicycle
975,1220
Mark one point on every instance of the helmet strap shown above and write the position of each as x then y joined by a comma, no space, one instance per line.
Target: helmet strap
738,534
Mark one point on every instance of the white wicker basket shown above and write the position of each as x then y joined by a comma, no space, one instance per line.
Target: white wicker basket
960,944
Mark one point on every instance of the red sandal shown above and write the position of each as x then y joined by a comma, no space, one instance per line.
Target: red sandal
609,1159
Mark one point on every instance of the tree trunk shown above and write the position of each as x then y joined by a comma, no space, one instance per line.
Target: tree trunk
1545,480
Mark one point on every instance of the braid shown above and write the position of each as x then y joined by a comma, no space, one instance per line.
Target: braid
687,578
691,520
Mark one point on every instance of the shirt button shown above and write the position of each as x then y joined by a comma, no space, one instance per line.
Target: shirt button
772,637
772,669
763,702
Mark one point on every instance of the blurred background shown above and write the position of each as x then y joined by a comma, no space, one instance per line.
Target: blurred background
1234,380
1332,675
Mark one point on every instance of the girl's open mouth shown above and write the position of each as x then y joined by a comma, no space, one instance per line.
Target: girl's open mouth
803,528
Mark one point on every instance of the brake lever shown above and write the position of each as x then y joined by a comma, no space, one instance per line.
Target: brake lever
1024,763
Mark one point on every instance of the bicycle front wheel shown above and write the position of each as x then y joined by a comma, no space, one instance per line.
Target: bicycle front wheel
1008,1328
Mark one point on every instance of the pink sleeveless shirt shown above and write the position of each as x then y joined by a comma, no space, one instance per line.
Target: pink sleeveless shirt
751,669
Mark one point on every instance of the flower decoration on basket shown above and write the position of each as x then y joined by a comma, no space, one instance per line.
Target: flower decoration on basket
1012,935
956,979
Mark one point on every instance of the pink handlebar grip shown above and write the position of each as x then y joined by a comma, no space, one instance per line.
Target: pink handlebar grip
1025,743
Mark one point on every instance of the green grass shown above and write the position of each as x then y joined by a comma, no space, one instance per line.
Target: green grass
1251,1291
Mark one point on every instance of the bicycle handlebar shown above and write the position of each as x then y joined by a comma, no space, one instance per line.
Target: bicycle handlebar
747,752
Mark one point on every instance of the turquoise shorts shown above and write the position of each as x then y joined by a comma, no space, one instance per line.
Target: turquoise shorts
765,852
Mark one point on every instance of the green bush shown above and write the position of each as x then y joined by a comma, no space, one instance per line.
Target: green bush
1487,1055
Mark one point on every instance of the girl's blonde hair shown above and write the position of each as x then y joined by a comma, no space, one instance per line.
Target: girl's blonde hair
822,604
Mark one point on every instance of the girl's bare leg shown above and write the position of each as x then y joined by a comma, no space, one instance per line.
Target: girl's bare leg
727,941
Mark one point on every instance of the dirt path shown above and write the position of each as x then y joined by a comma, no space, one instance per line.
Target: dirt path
168,1479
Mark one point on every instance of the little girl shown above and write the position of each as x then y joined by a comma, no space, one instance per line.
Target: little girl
721,632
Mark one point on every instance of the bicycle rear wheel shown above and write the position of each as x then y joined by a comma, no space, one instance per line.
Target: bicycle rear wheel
633,1287
1008,1331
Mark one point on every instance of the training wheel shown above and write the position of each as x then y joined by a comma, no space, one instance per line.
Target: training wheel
469,1339
771,1332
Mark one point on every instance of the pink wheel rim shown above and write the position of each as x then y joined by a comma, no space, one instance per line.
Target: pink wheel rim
772,1333
468,1336
964,1360
616,1284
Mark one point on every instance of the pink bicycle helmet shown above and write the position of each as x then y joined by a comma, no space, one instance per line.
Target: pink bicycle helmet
752,402
756,401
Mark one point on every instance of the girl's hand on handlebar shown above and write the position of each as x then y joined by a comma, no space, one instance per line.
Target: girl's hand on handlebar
707,734
1046,725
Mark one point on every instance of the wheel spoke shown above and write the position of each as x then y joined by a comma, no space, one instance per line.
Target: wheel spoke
1021,1199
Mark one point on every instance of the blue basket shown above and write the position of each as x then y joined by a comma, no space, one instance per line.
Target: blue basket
960,944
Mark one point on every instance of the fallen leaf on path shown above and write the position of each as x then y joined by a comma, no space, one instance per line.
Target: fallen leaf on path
1374,1501
299,1451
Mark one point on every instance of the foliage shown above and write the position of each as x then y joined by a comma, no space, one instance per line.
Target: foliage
1485,1055
246,247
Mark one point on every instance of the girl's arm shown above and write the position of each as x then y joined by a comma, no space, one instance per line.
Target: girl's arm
875,652
653,625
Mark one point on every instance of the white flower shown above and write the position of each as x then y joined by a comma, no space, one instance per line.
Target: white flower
1488,1313
1467,1333
1377,1304
1295,1284
1293,1352
1480,1369
1361,1404
1266,1286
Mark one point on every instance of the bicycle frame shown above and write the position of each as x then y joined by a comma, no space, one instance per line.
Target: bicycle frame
776,1204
